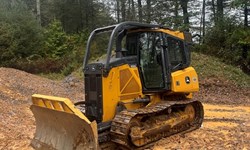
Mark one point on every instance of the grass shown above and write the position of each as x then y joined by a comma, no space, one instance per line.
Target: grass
208,66
53,76
78,73
60,76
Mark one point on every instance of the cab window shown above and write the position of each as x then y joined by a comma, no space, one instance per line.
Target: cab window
176,53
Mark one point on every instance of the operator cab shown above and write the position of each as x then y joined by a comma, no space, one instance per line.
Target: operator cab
157,54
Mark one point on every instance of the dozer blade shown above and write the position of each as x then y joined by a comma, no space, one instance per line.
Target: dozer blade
59,125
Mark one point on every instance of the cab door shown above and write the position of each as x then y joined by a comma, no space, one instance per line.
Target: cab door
151,61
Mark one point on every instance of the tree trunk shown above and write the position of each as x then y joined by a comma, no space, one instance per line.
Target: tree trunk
118,10
123,9
213,10
245,15
81,13
139,10
220,10
92,16
245,63
203,19
133,9
129,10
87,14
148,11
38,11
185,14
176,14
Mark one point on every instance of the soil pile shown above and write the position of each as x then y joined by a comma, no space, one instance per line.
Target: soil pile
221,91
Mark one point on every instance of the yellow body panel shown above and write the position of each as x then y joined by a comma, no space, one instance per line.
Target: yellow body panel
176,34
179,84
121,85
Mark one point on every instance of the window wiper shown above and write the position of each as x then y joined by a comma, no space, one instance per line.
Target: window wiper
178,65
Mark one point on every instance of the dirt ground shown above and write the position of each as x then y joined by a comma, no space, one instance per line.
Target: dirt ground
224,127
226,124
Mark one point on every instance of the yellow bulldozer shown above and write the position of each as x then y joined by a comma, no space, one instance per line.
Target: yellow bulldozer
139,93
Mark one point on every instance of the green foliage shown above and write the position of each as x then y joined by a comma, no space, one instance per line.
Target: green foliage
239,3
66,50
6,40
59,45
25,45
240,36
75,16
225,41
56,41
21,35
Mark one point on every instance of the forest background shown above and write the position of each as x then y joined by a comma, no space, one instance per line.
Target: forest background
49,36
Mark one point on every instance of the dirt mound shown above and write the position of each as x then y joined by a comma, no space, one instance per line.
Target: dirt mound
16,84
17,124
221,91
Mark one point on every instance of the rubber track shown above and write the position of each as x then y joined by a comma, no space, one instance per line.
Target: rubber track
121,123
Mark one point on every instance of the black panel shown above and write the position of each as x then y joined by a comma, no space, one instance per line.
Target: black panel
130,60
93,92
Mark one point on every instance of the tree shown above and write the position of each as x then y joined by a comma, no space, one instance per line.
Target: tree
184,6
56,41
133,10
21,34
118,10
203,20
245,14
148,11
220,12
213,9
38,6
241,35
123,9
139,10
176,15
